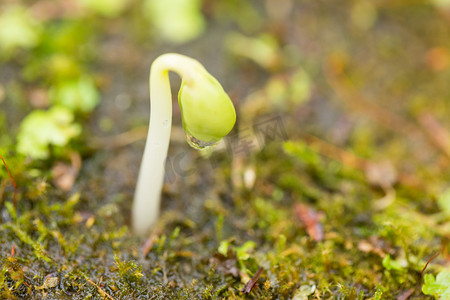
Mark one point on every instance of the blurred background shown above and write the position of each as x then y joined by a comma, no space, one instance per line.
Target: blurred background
354,90
358,74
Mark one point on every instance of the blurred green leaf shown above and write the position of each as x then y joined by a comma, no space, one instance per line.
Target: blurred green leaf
243,252
64,50
60,66
77,95
107,8
444,202
300,86
276,90
18,29
55,68
364,14
223,247
40,129
439,286
263,50
390,264
69,37
444,4
300,150
177,21
243,13
304,291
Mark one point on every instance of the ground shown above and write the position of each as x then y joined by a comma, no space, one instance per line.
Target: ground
332,185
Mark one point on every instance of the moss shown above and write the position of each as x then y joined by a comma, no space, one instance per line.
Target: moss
366,104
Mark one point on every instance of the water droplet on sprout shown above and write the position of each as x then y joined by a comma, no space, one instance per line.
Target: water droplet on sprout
198,144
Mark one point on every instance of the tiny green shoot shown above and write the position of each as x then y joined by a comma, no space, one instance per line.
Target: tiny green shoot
207,114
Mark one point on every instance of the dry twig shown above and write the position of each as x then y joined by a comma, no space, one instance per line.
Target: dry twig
406,294
251,283
100,290
436,133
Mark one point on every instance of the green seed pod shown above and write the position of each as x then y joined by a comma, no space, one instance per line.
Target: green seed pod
206,110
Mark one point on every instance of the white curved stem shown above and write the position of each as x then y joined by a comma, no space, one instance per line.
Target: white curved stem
150,180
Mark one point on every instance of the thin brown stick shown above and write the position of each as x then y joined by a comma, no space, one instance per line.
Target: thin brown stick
147,246
426,265
331,151
436,132
251,283
100,290
406,294
13,182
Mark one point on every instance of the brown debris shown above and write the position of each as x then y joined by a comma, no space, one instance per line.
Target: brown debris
252,282
375,245
310,218
39,98
64,175
381,173
225,264
406,294
436,132
50,281
147,246
437,59
50,10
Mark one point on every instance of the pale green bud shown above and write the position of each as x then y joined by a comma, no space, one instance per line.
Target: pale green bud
206,110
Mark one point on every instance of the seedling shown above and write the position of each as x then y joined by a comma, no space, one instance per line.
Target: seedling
207,115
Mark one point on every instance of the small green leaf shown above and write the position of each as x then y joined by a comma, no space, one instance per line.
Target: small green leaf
262,50
300,87
76,95
378,293
390,264
444,202
243,252
439,286
223,247
304,291
40,129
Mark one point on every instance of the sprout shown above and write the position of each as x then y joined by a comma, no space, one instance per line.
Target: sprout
207,114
